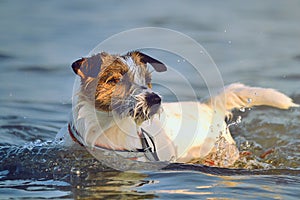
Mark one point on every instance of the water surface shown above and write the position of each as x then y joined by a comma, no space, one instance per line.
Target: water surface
256,43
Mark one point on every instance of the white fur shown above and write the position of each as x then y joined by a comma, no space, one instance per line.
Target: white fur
134,69
183,131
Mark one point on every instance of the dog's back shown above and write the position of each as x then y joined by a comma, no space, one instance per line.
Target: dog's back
190,125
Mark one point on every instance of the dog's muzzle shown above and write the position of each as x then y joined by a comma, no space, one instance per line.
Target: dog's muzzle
152,99
146,105
153,102
138,102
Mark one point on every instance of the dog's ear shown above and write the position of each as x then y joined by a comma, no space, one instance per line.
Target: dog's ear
156,64
88,67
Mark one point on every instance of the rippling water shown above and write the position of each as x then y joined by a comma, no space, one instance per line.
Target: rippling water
255,42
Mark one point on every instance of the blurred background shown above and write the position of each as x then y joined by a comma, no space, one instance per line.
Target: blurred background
253,42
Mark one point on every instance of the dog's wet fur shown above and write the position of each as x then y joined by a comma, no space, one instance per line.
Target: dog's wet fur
121,85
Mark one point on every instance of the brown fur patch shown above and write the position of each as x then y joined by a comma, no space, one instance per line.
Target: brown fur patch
107,84
109,78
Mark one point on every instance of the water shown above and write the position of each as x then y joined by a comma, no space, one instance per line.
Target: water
255,42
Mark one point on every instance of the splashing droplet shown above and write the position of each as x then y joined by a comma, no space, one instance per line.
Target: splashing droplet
75,171
239,119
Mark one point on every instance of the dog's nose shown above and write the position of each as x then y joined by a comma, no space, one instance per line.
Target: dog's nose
152,99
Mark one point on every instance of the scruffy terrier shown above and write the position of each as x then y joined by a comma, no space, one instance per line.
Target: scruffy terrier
116,109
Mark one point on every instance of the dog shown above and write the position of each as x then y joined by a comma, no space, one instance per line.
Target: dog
116,109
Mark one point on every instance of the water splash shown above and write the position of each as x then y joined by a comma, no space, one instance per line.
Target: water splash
236,122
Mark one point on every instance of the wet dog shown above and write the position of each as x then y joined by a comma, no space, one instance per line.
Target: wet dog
116,109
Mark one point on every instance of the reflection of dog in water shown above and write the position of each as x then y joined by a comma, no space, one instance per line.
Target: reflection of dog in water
116,109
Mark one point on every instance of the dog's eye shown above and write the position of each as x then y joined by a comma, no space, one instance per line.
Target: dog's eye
149,85
113,80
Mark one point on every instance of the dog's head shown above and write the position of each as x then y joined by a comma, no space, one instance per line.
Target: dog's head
121,84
